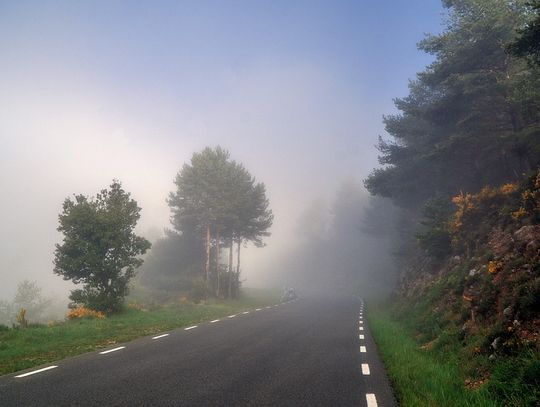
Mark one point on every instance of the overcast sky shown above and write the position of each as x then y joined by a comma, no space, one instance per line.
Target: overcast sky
91,91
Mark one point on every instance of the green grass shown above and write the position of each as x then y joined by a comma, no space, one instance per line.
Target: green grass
25,348
419,376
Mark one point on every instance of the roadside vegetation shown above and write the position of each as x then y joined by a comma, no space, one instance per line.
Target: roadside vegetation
86,331
421,375
217,205
462,164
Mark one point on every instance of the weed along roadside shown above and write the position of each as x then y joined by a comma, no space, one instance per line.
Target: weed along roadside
22,348
441,372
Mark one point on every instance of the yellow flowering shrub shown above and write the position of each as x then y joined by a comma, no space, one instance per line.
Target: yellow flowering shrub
520,213
507,189
83,312
494,266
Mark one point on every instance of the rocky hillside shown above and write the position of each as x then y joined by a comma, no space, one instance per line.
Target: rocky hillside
483,300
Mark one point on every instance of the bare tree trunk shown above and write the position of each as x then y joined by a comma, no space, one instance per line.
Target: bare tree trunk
230,267
237,288
207,265
217,263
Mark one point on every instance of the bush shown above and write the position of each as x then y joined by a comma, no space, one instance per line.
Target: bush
83,312
198,290
97,300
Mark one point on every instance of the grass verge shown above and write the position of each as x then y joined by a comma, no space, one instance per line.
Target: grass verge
419,376
24,348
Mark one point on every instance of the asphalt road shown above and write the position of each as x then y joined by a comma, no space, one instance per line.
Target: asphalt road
303,353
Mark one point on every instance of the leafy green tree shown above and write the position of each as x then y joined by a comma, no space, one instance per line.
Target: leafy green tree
173,264
468,120
435,235
100,249
251,219
199,202
527,45
217,198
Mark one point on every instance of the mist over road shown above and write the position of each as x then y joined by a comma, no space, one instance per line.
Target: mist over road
309,352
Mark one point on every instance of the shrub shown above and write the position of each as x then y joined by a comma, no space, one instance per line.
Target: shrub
21,318
83,312
198,291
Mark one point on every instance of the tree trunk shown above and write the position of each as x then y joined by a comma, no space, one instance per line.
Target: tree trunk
217,263
207,265
237,288
230,267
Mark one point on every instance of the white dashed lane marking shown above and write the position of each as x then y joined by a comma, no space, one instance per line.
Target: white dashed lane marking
111,350
361,328
231,316
190,327
160,336
362,349
371,400
36,371
245,312
365,369
360,336
257,309
215,320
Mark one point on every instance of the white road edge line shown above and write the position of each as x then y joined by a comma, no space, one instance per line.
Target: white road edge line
365,369
36,371
360,336
160,336
190,327
215,320
111,350
371,400
362,349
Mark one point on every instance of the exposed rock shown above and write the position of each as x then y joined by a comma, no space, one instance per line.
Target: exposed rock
492,356
500,242
507,312
495,343
532,247
472,272
525,235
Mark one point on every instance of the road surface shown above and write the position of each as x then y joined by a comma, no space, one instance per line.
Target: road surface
308,352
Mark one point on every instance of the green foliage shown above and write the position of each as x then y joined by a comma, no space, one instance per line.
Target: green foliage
172,264
420,376
100,247
517,380
527,44
528,301
435,237
471,118
219,201
198,290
